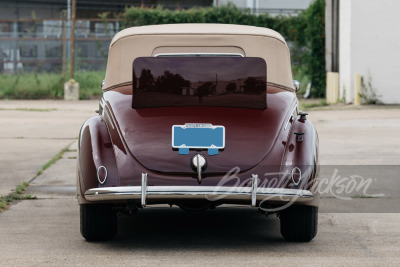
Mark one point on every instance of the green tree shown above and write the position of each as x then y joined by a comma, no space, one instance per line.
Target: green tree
314,58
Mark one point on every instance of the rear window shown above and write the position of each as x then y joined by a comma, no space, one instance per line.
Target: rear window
219,81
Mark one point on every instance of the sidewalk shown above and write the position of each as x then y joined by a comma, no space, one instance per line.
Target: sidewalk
45,231
32,132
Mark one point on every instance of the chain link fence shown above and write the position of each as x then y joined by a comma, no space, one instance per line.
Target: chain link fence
44,45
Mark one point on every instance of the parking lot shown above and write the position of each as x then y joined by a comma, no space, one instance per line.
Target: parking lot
359,231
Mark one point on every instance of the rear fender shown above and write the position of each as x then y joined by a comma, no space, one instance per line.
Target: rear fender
95,149
301,151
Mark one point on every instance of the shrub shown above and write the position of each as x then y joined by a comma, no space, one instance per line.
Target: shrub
47,85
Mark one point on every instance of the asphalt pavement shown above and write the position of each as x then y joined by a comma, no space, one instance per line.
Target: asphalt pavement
354,230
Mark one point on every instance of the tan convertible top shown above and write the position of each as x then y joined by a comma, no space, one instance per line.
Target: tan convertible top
146,41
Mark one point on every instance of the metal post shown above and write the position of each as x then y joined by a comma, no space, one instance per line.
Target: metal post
71,88
15,49
73,39
68,31
69,10
63,51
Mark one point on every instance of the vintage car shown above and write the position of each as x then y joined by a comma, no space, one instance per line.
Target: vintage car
197,116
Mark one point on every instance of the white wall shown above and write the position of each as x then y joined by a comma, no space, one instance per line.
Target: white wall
295,4
369,44
269,4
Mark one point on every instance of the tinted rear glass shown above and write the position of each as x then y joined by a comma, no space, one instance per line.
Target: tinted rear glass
199,81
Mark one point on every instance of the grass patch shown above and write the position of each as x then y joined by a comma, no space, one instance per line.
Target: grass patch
31,109
3,204
363,196
36,109
90,83
52,161
18,194
321,103
48,85
21,188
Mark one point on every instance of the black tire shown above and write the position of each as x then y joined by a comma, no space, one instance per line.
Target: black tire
299,223
98,222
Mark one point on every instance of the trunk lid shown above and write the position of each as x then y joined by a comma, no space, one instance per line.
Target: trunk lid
250,134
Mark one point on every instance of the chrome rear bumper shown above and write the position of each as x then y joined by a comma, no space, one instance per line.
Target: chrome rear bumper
143,193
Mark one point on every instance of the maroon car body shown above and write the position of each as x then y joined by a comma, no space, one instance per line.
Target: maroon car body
270,154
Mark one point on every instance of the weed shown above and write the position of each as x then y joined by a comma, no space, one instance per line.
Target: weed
368,92
363,196
3,203
343,99
18,194
52,161
21,188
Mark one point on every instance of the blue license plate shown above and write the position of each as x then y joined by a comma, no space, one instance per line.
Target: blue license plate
198,136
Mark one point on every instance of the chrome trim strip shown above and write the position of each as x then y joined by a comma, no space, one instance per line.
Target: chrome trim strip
199,167
144,189
291,117
197,192
107,116
117,85
102,103
254,184
194,54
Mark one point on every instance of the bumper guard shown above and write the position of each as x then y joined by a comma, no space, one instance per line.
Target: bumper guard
212,193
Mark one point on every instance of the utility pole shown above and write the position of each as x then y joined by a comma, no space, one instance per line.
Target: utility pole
73,39
71,88
68,32
63,49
